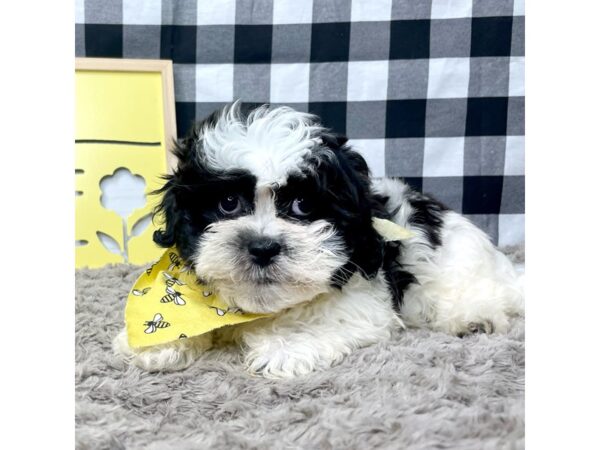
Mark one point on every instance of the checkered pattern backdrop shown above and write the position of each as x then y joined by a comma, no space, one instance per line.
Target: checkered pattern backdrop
428,90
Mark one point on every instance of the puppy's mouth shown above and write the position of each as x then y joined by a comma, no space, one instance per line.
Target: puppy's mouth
272,274
258,276
264,281
265,291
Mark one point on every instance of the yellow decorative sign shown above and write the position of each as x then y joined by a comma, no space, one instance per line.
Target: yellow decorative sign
125,126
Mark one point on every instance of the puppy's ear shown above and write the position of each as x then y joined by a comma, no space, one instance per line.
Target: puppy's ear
168,208
348,180
176,228
368,245
172,214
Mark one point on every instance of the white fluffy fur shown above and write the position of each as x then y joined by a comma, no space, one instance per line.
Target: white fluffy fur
270,143
315,335
464,285
172,356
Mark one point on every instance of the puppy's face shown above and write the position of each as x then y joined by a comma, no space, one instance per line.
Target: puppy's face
269,208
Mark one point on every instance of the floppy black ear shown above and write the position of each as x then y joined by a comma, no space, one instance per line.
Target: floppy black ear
173,216
348,178
368,245
165,237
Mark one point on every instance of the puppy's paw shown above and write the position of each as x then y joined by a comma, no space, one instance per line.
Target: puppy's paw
498,323
278,363
486,326
162,358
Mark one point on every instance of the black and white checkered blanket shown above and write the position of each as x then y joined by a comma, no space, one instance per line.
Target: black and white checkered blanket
428,90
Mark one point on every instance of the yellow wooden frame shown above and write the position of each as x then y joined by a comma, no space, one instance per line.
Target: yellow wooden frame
91,218
165,67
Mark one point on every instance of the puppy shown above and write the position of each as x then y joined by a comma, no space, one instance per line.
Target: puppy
275,213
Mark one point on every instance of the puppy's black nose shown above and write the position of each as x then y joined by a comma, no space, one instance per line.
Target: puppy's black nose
263,251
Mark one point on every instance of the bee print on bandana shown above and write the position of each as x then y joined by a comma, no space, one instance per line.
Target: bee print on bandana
149,269
156,323
173,296
221,312
139,293
175,261
171,280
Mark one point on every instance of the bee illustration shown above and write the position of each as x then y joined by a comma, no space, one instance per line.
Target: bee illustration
173,296
142,292
175,261
149,269
219,311
156,323
170,280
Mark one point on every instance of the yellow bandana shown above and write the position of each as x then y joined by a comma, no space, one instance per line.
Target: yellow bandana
168,303
391,231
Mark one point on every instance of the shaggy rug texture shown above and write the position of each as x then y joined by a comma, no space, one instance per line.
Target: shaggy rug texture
421,390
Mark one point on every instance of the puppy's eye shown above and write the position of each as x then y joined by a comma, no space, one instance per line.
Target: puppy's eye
230,205
302,207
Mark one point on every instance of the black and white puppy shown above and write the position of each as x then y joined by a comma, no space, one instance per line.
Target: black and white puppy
275,212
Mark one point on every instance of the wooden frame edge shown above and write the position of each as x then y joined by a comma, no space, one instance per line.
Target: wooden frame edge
165,67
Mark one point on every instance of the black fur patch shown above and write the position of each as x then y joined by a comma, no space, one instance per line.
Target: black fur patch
428,214
336,182
191,195
397,277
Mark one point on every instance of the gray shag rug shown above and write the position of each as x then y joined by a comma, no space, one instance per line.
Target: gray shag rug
421,390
